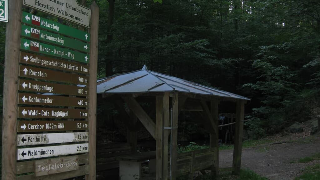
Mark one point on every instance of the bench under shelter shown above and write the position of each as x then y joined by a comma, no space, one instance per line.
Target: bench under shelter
169,96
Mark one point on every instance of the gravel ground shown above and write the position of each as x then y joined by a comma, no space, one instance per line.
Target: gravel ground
276,161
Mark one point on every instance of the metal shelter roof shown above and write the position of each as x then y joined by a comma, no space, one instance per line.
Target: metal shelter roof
148,81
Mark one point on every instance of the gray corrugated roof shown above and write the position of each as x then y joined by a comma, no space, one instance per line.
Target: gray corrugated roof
148,81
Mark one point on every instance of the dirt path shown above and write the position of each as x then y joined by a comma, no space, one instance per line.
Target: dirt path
275,161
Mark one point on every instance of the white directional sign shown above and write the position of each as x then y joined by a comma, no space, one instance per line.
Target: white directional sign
67,9
4,10
51,138
51,151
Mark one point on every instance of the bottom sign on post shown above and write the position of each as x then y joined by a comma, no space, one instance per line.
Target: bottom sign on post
51,151
56,165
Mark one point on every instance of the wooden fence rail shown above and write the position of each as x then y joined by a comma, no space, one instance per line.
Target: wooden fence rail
197,160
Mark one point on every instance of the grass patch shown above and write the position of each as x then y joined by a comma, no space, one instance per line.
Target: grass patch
244,175
309,159
249,143
310,173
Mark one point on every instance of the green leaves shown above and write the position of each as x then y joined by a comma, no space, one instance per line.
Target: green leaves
159,1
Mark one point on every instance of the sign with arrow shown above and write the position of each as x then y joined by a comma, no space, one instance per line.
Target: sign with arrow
54,26
66,9
41,126
43,61
53,38
51,100
39,47
46,87
39,112
50,75
51,151
4,10
51,138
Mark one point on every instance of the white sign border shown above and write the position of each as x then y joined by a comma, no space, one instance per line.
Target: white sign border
22,154
52,138
6,11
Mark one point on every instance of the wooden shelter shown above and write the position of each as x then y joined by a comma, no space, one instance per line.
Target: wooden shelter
172,95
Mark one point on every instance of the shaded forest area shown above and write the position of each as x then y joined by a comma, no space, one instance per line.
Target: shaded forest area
266,50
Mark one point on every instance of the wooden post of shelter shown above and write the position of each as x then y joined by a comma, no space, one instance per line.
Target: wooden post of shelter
92,117
166,133
174,140
214,137
159,137
10,91
238,137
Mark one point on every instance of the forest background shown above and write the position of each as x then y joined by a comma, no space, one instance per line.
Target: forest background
266,50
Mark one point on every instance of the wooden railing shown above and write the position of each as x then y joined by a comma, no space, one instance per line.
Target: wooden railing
197,160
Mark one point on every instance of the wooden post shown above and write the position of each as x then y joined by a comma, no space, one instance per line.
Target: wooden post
174,143
214,137
238,137
10,91
92,116
166,116
159,137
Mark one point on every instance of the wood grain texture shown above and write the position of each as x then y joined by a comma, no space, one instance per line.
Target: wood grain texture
92,111
83,170
56,165
10,89
159,137
175,119
29,166
166,123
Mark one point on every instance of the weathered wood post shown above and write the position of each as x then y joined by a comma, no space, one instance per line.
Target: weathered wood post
214,137
238,137
92,116
159,137
174,143
10,91
166,123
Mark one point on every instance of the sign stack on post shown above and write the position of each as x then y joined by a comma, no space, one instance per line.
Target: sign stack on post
50,124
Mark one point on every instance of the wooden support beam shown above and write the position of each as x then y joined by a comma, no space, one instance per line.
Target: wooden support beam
166,123
238,137
141,114
174,143
214,138
10,91
159,137
92,107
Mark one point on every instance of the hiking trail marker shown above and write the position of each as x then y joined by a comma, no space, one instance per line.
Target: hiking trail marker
49,92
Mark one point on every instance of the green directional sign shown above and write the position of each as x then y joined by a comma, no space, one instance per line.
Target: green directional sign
54,26
43,35
4,10
43,48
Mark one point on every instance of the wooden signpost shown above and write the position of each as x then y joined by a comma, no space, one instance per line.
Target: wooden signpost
50,90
